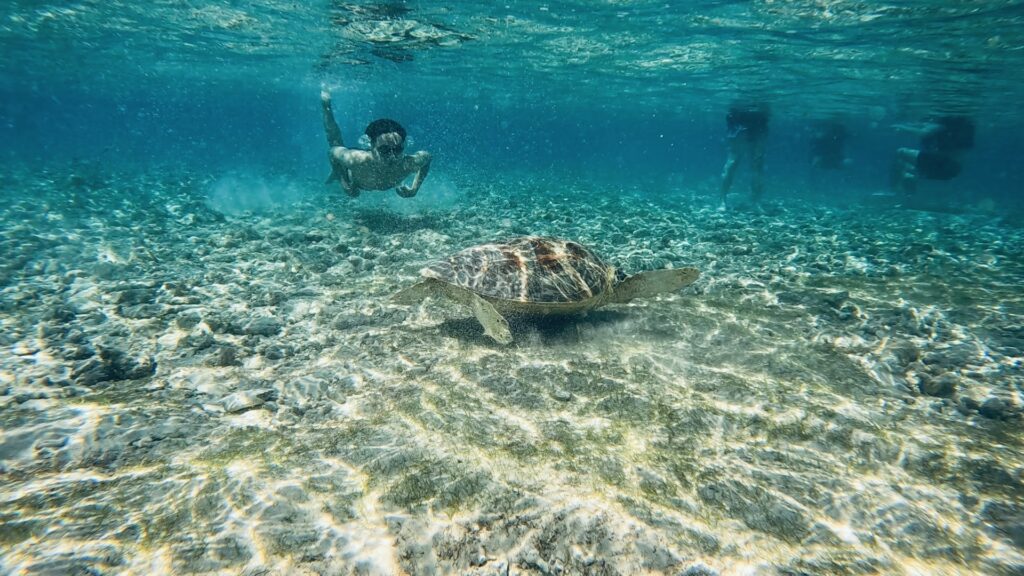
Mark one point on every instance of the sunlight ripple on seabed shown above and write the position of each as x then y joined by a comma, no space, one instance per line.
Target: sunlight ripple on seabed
249,399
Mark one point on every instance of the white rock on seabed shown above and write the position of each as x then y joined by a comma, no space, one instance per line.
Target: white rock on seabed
247,399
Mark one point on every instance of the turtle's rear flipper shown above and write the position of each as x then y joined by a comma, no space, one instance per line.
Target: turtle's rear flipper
647,284
493,322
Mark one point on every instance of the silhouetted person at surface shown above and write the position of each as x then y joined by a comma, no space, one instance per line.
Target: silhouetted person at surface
381,167
828,143
747,127
944,140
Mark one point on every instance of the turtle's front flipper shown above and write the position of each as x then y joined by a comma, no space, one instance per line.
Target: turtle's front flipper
647,284
493,322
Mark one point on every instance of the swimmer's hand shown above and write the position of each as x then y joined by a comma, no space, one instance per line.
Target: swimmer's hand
917,129
405,191
349,188
905,127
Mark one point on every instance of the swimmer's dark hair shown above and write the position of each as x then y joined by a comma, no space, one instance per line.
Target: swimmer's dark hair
383,126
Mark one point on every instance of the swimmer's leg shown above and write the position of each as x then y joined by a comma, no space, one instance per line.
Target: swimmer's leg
728,172
757,169
906,170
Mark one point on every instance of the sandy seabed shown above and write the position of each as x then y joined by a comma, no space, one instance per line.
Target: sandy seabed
184,392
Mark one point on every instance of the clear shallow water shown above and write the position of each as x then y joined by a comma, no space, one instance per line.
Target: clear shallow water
202,374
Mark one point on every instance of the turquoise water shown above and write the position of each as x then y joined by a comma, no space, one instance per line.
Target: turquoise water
202,370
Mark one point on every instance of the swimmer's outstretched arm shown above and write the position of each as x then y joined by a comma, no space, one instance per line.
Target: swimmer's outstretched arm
346,183
917,129
330,125
338,152
420,162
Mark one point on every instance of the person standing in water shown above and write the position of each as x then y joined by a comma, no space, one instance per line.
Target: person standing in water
381,167
944,140
747,127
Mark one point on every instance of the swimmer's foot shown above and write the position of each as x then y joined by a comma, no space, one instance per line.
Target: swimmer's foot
325,95
721,208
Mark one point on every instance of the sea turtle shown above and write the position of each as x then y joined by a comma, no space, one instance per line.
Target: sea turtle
535,276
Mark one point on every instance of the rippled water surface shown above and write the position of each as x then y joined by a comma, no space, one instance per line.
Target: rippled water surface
835,55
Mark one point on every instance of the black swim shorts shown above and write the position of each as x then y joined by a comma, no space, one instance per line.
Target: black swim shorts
935,166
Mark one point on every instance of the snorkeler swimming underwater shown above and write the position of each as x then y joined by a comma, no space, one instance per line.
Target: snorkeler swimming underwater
382,167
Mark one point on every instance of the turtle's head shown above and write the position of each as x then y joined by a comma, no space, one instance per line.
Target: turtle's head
614,279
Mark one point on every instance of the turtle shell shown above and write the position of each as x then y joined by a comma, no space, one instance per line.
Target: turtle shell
530,269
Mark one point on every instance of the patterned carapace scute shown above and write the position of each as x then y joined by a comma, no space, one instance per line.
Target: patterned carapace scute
527,269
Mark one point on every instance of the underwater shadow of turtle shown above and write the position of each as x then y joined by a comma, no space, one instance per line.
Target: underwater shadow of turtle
549,329
386,222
